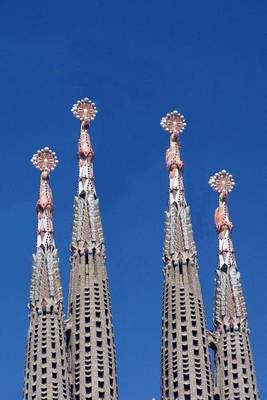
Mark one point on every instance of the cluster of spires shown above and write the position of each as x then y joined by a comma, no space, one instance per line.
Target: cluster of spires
74,359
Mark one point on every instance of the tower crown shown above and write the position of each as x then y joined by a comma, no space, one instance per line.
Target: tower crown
87,230
179,242
223,183
85,110
45,160
174,123
230,311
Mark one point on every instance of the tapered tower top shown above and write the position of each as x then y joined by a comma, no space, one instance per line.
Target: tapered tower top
46,161
45,278
174,123
223,183
179,240
230,309
85,110
87,230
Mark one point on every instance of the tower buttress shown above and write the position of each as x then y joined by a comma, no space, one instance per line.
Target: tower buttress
185,364
234,370
45,365
90,341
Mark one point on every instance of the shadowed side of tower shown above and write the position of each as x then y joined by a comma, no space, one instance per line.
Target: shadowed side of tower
45,365
90,341
185,365
234,370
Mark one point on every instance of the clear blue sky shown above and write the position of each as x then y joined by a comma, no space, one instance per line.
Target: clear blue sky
137,60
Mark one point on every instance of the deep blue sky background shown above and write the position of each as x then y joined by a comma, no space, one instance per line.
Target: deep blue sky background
137,60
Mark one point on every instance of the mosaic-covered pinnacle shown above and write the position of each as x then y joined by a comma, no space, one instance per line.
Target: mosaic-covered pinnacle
222,182
45,160
173,122
84,110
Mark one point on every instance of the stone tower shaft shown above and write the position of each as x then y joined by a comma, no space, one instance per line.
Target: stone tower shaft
45,366
90,341
185,364
234,369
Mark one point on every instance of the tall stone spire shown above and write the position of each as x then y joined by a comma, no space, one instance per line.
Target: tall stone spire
234,370
45,366
185,365
90,341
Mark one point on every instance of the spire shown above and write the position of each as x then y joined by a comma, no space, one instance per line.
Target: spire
234,372
87,230
179,243
90,341
46,161
230,310
45,280
174,123
45,367
185,366
85,110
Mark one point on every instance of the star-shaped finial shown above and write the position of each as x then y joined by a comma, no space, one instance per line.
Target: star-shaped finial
222,182
173,122
84,110
45,160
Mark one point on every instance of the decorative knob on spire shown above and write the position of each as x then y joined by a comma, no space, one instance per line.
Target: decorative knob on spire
46,161
222,182
84,110
173,122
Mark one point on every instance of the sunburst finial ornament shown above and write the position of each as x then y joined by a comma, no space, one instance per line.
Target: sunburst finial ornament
173,122
222,182
45,160
84,110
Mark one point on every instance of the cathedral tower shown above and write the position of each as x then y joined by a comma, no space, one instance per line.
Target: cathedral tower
234,370
45,366
185,364
90,341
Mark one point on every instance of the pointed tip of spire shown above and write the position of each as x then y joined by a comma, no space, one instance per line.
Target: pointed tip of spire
84,110
173,122
45,160
222,182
